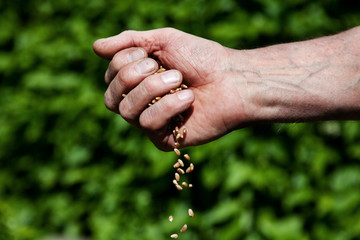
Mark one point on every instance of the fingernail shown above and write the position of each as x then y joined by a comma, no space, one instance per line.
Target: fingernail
185,95
145,66
136,55
170,77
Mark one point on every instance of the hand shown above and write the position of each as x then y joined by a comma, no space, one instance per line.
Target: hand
210,105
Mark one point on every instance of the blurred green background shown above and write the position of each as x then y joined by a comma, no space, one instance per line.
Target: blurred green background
70,169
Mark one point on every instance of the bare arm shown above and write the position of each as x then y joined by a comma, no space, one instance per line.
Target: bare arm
302,81
311,80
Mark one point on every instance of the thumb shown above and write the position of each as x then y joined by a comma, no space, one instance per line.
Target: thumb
151,41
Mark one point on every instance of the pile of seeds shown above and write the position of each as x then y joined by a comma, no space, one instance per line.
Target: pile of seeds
179,132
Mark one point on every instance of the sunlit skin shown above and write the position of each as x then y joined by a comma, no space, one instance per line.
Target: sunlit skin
228,89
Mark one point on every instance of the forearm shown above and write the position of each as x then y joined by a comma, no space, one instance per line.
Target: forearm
303,81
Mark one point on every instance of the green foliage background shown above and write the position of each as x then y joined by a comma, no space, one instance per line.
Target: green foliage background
70,168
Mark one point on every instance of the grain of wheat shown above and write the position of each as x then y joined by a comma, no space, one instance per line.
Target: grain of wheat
192,166
180,170
177,151
184,228
177,177
178,187
181,163
191,212
176,165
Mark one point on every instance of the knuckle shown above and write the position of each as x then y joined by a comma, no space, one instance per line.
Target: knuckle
145,120
109,77
150,86
170,29
124,79
109,101
166,106
127,32
115,63
126,111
